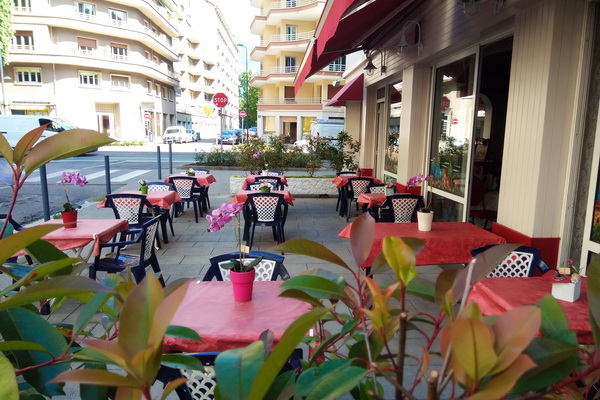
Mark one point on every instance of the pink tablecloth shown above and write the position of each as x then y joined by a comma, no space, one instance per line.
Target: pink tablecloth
498,295
371,199
203,179
223,324
252,178
446,243
99,230
242,196
340,181
163,199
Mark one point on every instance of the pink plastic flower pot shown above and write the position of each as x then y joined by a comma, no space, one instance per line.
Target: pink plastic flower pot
242,283
70,219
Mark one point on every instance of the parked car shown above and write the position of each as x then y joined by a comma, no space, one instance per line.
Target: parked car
190,135
228,137
14,127
239,133
175,134
195,134
252,131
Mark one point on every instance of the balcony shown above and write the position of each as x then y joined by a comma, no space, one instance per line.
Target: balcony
279,43
287,74
277,101
297,10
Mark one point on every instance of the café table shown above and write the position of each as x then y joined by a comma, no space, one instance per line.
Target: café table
241,196
99,231
163,199
498,295
223,324
252,178
202,179
446,243
371,199
341,181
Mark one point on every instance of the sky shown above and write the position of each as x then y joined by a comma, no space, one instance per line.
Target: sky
239,15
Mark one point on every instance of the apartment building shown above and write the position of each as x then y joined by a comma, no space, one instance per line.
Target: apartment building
110,66
286,27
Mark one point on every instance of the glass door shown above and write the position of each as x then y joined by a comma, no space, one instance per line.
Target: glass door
392,135
451,137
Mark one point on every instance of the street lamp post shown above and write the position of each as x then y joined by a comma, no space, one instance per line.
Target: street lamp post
247,85
4,108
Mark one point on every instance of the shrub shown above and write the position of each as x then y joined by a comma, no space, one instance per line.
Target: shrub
251,155
340,154
217,157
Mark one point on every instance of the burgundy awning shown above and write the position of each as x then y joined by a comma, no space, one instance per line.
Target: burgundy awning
353,90
347,26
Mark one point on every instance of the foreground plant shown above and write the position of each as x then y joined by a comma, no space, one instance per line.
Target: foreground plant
360,338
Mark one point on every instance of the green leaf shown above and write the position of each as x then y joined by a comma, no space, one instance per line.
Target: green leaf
8,381
499,385
314,286
88,311
473,348
182,332
182,361
330,380
93,392
30,274
6,150
443,283
421,287
553,316
50,288
593,287
96,377
12,345
362,234
21,239
63,145
44,252
24,325
171,386
237,370
401,258
300,295
26,143
312,249
281,353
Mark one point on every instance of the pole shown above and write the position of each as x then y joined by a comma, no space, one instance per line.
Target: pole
4,107
107,174
44,192
247,83
171,158
158,163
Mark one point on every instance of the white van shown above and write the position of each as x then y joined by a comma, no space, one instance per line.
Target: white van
14,127
326,128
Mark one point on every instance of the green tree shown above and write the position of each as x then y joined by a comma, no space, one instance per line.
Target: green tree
250,108
6,30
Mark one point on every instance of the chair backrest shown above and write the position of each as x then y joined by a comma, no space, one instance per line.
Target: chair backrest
184,185
521,262
358,186
268,269
149,230
274,172
128,206
346,173
257,185
477,193
201,171
266,207
160,186
376,188
404,206
271,179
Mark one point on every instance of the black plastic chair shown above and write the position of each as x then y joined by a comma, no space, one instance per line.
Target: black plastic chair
274,172
136,209
204,190
521,262
257,185
117,262
399,208
346,173
159,186
190,191
354,188
271,179
270,268
201,171
266,209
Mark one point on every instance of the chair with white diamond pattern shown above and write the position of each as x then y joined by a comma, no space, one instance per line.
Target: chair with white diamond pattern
521,262
159,186
270,267
276,180
354,188
190,191
135,208
400,208
267,209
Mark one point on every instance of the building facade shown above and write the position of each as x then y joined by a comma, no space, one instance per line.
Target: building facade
108,66
286,27
497,100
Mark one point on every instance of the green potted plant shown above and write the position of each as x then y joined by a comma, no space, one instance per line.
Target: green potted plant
143,186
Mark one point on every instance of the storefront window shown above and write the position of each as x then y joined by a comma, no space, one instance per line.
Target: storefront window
393,131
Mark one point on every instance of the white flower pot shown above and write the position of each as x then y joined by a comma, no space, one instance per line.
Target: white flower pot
424,219
265,172
568,291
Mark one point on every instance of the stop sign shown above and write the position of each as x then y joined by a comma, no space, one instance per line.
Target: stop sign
220,100
243,114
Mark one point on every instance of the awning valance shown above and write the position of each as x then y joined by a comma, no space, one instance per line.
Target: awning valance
353,90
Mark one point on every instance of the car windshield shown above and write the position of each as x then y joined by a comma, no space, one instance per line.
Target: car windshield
65,123
172,131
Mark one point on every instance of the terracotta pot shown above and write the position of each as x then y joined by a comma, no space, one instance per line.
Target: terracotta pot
424,220
70,219
144,189
242,283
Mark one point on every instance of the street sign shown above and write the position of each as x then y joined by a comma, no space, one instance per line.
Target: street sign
243,114
146,115
220,100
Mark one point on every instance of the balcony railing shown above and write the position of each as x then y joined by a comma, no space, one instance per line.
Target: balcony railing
290,3
275,101
335,67
286,37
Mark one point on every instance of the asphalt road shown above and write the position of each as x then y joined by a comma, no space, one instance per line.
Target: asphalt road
127,166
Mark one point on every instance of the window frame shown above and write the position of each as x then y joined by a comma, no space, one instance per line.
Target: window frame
97,78
120,88
29,70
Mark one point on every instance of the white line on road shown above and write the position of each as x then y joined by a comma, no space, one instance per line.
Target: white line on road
130,175
99,174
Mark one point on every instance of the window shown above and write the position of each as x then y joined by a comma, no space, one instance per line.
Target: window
117,17
149,86
22,5
120,82
23,40
390,163
290,64
118,51
208,97
86,46
171,95
338,65
148,55
164,92
290,3
291,32
89,79
86,11
156,60
156,89
28,76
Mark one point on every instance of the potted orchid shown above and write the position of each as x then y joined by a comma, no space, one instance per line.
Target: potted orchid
241,273
143,186
424,215
69,212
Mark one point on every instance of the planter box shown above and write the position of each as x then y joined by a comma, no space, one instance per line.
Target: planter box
298,187
567,291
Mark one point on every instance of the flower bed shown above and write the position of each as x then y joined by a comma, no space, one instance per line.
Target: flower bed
298,186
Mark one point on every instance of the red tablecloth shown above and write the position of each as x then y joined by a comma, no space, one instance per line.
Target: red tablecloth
163,199
340,181
99,230
498,295
446,243
242,196
252,178
371,199
202,179
223,324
